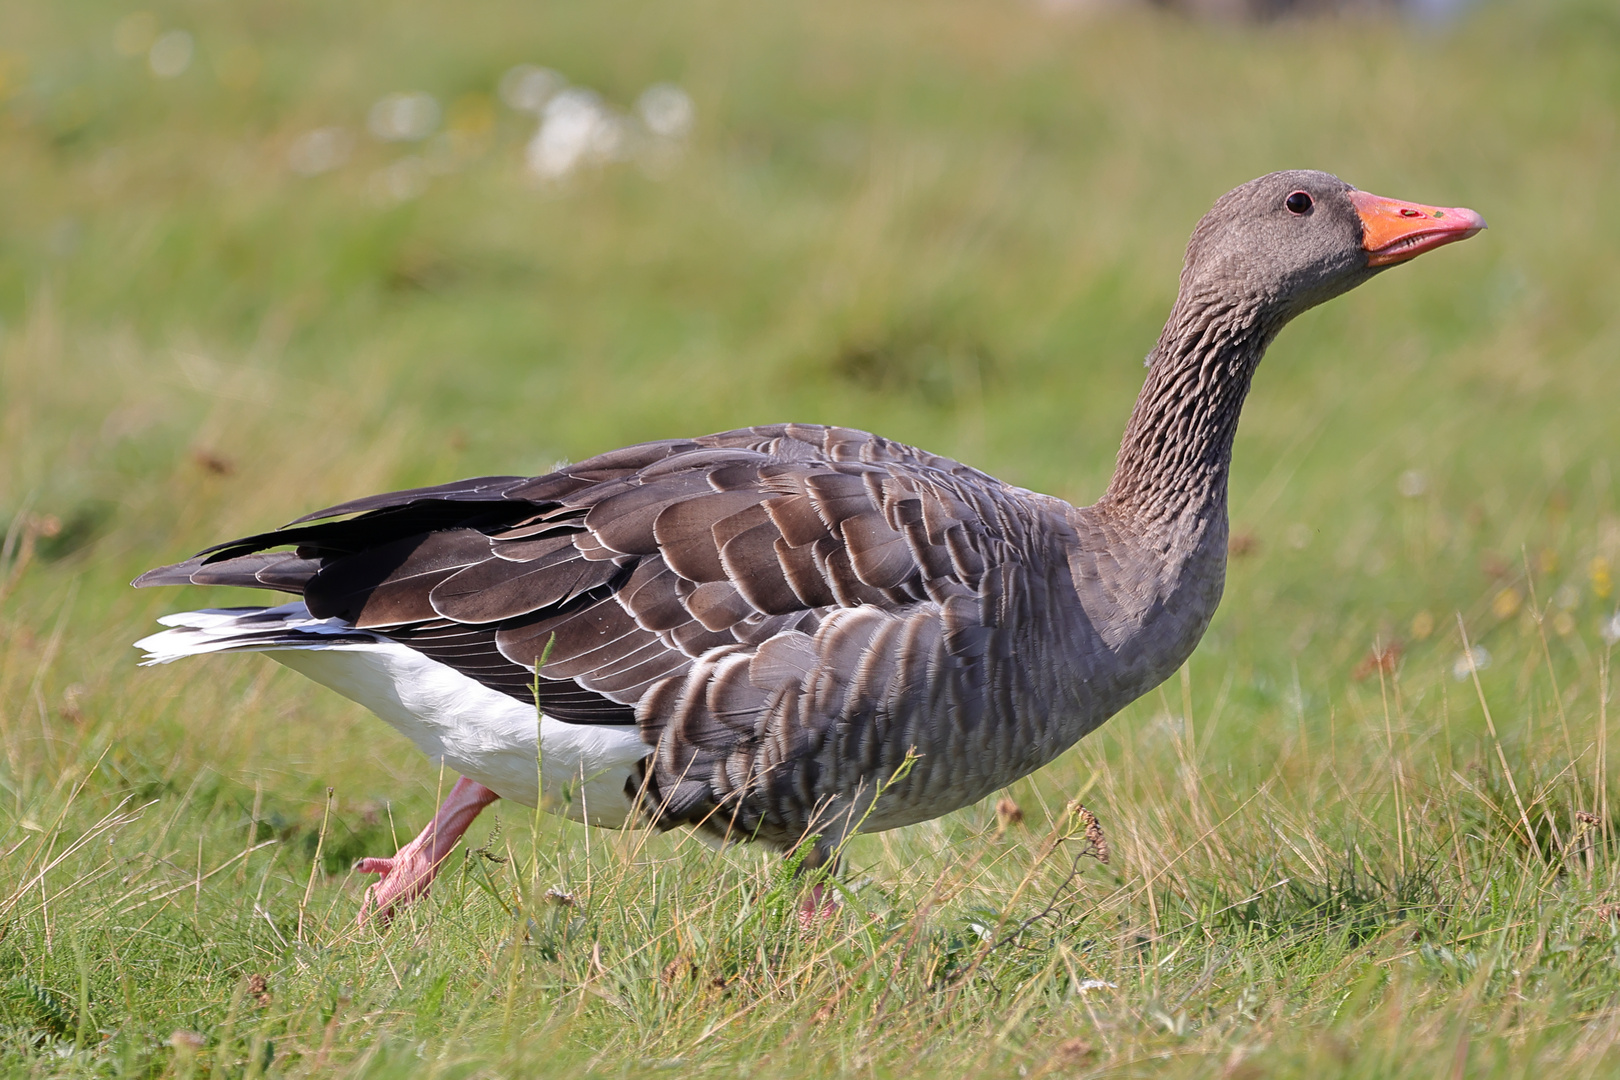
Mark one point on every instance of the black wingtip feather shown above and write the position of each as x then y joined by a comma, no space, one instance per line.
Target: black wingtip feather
478,489
174,574
280,570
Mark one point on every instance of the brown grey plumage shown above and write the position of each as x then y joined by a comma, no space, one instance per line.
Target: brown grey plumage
786,612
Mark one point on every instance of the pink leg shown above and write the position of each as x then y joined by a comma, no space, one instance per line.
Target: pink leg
408,874
818,905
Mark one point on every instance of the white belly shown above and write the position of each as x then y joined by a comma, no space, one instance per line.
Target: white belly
581,769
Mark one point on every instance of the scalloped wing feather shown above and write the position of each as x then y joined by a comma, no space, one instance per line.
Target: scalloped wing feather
754,600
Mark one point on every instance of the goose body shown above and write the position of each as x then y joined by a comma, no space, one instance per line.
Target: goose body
752,632
776,617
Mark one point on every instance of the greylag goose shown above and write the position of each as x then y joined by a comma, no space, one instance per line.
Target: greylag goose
750,633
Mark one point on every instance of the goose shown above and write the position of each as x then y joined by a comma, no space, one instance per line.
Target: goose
792,633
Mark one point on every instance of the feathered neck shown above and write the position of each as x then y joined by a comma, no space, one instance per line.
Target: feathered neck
1177,448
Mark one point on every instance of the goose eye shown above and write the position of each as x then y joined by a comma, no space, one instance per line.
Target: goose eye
1298,202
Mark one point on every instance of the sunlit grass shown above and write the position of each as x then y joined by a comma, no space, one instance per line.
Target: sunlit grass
1335,849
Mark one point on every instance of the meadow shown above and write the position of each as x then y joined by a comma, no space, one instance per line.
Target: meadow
1335,845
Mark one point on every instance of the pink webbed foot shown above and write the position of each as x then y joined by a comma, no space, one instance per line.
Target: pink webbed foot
411,871
405,877
819,905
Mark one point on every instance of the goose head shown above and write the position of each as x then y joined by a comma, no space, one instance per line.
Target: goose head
1288,241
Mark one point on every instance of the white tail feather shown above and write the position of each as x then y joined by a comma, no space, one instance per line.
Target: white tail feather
246,629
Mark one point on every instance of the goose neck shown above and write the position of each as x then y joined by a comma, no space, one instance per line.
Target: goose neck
1174,459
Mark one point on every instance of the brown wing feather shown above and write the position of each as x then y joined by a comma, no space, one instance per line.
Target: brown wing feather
391,584
754,600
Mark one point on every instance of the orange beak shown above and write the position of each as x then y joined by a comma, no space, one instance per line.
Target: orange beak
1393,231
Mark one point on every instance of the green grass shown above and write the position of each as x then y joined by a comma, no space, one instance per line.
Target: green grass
958,224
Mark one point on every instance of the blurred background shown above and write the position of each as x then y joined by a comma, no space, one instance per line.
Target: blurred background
262,256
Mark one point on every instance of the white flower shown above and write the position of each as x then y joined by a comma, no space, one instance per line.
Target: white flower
1412,483
1475,659
170,54
667,111
527,88
577,129
1609,631
318,151
404,117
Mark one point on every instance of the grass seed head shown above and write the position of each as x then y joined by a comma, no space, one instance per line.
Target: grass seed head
1072,1052
1379,659
1008,813
186,1042
1242,544
1096,840
679,970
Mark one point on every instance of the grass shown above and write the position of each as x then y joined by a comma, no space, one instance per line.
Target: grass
958,224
